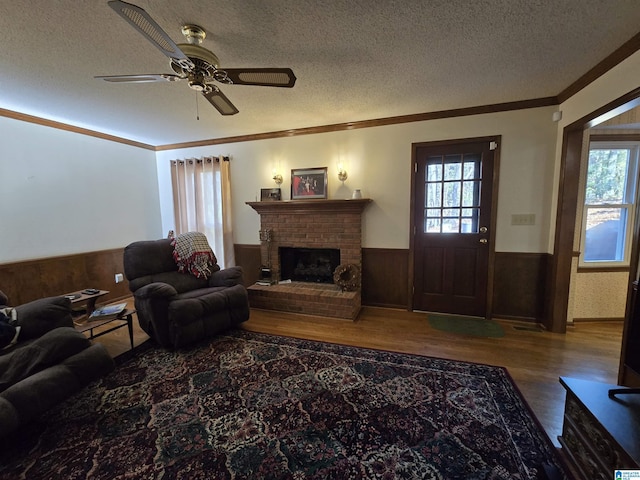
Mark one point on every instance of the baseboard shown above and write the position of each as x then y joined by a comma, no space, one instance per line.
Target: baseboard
384,305
516,318
598,319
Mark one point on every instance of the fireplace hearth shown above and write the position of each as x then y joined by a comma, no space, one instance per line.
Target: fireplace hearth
308,264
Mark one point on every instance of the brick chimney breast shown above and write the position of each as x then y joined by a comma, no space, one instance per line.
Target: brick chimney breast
327,224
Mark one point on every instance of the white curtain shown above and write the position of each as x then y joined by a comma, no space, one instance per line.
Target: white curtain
202,202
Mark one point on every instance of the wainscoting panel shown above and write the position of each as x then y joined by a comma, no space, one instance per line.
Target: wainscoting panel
519,289
385,277
384,274
45,277
248,257
519,285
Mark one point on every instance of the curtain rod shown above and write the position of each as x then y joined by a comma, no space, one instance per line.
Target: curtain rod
200,160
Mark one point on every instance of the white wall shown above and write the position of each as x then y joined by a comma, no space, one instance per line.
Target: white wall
378,161
65,193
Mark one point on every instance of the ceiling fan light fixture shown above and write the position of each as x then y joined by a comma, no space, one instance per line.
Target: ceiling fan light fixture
222,77
194,34
197,83
199,57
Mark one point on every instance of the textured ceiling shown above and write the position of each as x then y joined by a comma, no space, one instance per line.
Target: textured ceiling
354,59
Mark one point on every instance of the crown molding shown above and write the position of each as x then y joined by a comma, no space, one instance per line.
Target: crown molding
625,51
417,117
23,117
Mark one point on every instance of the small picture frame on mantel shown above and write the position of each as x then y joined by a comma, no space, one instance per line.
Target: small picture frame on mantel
308,183
270,194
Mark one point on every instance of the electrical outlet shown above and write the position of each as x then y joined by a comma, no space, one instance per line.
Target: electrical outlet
523,219
119,278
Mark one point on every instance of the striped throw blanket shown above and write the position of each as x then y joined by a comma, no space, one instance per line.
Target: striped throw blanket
192,254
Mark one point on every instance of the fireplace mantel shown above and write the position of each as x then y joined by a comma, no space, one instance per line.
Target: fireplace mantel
310,206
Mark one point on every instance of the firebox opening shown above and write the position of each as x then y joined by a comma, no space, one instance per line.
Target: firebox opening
308,264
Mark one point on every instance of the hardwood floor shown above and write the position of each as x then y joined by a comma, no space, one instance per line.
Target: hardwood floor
534,359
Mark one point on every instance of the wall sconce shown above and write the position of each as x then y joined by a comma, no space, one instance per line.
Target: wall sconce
277,178
342,173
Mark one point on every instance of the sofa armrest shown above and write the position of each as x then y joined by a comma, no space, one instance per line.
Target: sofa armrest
152,304
40,316
50,349
155,290
226,278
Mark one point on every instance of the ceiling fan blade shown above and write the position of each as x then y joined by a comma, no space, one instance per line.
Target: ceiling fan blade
266,77
141,21
142,78
220,102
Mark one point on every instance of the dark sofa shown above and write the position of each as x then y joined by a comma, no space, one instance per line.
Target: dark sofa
174,308
49,363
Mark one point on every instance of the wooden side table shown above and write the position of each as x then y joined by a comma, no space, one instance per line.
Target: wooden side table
83,298
124,319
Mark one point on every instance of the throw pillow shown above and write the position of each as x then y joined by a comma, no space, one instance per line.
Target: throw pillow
8,332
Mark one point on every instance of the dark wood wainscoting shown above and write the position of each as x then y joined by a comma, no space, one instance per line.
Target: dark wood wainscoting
384,273
520,286
519,291
45,277
248,257
385,277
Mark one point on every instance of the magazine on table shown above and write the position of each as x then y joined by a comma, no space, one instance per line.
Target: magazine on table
108,311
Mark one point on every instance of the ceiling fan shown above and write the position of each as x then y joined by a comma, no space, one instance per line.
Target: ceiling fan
194,63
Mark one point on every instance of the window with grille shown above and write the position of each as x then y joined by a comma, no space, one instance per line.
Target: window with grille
610,198
452,193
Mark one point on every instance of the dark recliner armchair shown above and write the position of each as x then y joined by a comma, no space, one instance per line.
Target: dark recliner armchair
174,308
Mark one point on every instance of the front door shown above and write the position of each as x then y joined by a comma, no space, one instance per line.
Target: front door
452,221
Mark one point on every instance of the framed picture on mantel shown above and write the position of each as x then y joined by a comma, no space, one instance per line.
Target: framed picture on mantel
308,183
270,194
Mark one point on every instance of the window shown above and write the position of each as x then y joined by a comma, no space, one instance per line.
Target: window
452,193
610,198
201,200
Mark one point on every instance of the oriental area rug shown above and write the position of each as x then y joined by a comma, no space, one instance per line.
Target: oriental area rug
253,406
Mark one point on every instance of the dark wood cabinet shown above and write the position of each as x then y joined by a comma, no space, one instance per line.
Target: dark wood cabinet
600,434
629,372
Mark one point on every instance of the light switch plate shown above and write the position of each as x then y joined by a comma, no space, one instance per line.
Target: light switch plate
523,219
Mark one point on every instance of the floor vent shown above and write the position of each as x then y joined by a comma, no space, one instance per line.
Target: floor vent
528,329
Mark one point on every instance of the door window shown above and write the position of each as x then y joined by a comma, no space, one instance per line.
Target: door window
452,199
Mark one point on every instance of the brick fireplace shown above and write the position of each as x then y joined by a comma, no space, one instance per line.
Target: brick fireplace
310,224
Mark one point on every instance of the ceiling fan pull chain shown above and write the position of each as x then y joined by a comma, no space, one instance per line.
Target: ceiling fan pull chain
197,111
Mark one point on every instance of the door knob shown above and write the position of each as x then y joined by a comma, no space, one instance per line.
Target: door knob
483,240
483,229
